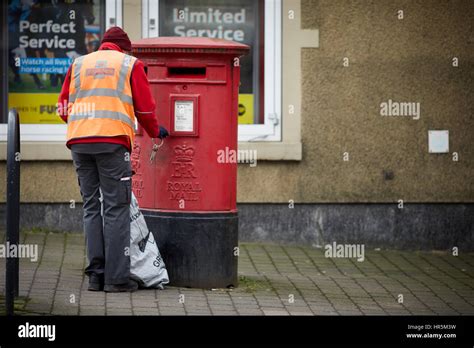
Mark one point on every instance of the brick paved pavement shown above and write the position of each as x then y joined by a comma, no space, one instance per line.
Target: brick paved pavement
274,280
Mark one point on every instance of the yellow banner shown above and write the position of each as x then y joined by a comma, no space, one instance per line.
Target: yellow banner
40,108
35,107
246,109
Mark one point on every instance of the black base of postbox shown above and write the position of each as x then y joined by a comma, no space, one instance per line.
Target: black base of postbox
198,248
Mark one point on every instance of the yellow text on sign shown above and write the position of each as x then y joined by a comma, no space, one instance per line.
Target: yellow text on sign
246,111
35,107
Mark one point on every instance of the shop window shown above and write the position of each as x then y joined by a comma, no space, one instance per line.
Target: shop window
256,23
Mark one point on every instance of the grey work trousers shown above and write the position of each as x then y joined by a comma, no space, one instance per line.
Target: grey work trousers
105,166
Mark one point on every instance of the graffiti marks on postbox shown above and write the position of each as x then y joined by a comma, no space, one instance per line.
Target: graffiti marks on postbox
137,182
183,183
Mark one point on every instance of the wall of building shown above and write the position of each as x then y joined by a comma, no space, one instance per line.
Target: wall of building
405,60
408,60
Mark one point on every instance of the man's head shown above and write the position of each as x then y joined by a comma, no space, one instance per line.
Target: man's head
117,36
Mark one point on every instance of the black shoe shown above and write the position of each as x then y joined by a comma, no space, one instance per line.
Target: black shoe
131,286
96,282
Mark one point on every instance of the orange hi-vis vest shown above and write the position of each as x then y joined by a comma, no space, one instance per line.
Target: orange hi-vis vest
100,96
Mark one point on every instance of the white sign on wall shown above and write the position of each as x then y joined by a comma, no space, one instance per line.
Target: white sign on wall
438,141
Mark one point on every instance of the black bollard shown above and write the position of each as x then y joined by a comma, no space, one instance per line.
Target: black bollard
13,208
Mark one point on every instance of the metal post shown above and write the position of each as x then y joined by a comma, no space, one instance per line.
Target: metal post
13,208
4,62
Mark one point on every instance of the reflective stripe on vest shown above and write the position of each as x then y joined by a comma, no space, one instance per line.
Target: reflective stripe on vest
114,115
103,91
77,77
101,101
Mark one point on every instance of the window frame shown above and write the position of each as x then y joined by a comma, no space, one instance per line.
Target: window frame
57,132
270,130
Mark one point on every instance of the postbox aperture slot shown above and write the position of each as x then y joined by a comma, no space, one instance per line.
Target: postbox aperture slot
187,72
184,112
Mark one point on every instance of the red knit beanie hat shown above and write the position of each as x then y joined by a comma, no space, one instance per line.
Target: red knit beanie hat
117,36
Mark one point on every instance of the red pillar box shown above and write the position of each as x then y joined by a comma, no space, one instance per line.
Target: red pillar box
187,193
